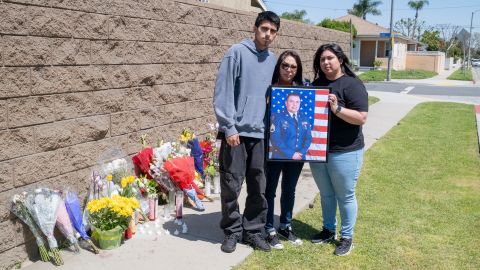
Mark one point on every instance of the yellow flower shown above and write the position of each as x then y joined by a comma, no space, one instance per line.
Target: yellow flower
186,135
127,180
109,177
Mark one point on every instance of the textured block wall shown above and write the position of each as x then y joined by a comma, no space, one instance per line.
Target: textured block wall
79,77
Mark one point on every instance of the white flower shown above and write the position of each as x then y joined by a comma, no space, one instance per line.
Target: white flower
16,198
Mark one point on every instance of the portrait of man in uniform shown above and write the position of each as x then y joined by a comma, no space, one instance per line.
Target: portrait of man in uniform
290,130
298,127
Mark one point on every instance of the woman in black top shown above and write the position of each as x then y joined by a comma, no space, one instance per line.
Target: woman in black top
288,72
337,178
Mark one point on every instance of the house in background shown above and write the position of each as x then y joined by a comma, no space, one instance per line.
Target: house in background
372,43
245,5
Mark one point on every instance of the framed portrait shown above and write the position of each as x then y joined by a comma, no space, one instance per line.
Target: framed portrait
298,124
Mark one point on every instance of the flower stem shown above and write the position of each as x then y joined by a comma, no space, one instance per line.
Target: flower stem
56,256
94,248
43,253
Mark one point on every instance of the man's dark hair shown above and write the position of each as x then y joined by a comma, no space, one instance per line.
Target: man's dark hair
292,94
268,16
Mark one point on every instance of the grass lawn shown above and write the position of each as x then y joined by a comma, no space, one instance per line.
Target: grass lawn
381,75
418,197
460,76
372,100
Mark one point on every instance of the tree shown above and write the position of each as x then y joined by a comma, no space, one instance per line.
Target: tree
475,45
338,25
296,15
404,27
407,26
364,7
448,34
432,39
417,5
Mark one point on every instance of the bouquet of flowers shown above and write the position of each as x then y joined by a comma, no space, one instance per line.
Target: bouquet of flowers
210,158
65,226
108,213
73,208
182,173
20,210
42,205
117,168
142,162
127,185
188,137
147,187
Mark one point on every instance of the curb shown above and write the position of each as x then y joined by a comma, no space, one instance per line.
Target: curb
477,114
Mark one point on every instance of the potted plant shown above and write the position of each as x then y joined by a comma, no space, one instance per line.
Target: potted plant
377,64
110,217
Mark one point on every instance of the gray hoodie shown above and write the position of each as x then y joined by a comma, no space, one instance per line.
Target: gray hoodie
240,90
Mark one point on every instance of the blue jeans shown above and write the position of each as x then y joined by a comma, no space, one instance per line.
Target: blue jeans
290,174
337,180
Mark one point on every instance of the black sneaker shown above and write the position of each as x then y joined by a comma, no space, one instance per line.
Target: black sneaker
324,236
256,241
229,243
344,247
290,236
273,241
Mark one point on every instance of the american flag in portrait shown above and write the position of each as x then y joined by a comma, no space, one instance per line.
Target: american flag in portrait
314,105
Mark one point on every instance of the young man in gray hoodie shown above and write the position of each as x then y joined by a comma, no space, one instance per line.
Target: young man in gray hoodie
240,103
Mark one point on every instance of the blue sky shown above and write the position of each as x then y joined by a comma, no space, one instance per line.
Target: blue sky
457,12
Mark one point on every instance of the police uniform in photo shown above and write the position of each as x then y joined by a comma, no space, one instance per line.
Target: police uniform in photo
290,135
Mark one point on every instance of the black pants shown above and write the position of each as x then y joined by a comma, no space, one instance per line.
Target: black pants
290,173
244,161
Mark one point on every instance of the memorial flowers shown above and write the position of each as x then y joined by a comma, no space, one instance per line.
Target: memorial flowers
72,205
109,212
42,204
19,208
65,226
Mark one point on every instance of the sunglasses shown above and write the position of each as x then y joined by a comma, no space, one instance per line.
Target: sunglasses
286,66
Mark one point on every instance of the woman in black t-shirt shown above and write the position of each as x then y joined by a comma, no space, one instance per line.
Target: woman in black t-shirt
337,178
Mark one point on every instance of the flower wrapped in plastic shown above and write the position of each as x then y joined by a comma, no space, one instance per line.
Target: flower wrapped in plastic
20,210
188,138
161,154
112,162
117,168
142,162
182,172
72,205
65,226
42,205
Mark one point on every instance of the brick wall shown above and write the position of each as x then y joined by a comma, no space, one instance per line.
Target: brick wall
79,77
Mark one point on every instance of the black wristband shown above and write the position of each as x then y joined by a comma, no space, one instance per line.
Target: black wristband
339,108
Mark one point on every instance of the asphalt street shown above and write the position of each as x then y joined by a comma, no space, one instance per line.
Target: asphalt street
424,89
440,90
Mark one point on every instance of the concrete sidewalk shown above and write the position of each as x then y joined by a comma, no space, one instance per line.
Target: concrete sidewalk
153,248
439,80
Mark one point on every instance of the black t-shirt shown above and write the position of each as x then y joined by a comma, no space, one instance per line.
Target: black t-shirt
351,94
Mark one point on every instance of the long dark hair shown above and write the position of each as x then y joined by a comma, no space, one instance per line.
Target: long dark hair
337,50
298,76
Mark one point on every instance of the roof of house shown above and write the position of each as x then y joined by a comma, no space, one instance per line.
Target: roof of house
363,27
369,29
